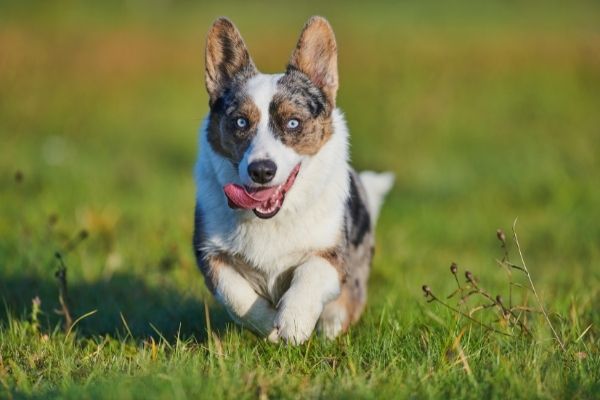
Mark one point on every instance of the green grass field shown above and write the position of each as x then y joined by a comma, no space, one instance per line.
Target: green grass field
485,113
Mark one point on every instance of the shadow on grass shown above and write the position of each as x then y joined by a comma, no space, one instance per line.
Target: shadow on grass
148,311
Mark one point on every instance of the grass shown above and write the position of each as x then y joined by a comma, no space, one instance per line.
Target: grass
484,113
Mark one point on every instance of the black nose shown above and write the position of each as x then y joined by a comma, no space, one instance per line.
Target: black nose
262,171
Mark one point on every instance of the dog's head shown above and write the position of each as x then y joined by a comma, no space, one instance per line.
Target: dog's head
267,125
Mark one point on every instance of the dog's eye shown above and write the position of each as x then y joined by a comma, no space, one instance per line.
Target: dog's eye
241,123
292,124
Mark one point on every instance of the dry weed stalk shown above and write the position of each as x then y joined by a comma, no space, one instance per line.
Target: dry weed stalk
63,298
513,316
537,297
61,277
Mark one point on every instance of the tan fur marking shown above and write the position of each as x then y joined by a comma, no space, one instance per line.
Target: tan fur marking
314,134
211,268
345,302
351,306
336,258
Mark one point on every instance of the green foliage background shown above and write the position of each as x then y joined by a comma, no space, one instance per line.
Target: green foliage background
484,112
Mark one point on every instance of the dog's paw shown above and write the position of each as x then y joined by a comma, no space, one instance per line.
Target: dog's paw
273,336
331,327
333,321
295,324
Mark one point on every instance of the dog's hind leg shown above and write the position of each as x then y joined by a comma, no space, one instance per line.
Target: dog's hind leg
339,314
335,318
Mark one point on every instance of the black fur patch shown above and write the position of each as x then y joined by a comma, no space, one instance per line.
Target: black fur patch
359,223
197,240
198,252
231,97
224,136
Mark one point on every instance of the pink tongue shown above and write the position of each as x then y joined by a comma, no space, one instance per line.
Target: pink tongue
239,197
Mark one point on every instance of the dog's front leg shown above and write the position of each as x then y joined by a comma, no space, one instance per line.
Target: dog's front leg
241,301
314,284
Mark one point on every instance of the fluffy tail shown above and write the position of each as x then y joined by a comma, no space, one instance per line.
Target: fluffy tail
377,185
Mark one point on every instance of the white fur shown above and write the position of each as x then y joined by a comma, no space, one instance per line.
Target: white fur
310,219
377,185
332,320
261,89
243,303
315,283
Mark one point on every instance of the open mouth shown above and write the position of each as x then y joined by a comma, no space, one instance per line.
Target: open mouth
264,201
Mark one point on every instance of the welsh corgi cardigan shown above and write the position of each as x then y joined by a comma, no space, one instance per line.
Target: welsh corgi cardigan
283,225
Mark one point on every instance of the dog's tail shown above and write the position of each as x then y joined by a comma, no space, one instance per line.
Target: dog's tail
377,185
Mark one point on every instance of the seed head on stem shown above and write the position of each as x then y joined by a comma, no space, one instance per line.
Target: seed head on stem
453,268
426,291
469,276
501,236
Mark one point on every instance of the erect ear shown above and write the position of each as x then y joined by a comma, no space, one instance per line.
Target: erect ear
316,56
227,58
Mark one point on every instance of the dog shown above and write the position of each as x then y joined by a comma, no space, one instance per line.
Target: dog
283,225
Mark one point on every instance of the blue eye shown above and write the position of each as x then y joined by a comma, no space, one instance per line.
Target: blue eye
241,123
292,124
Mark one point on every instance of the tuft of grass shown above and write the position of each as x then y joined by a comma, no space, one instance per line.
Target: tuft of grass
512,319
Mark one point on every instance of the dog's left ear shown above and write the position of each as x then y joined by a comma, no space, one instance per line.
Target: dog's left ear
316,56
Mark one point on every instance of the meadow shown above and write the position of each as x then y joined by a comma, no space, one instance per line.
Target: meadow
484,112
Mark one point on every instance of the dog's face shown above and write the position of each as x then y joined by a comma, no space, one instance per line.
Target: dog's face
267,125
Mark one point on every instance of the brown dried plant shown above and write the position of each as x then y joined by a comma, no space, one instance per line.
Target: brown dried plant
511,319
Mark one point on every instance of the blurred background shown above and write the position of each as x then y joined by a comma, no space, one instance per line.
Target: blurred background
485,113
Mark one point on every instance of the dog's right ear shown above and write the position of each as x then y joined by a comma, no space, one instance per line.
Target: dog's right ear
227,58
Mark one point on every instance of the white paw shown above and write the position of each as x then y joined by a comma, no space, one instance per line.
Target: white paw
333,320
259,318
295,324
273,336
331,327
